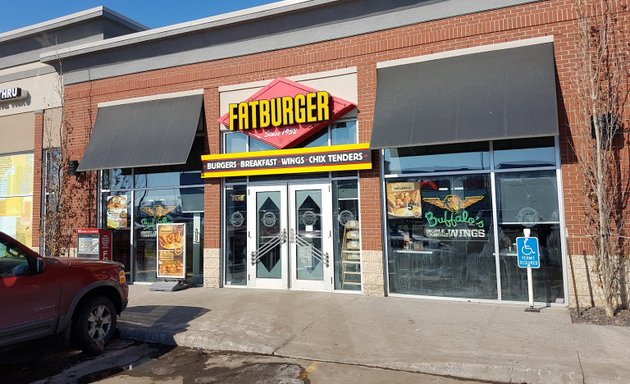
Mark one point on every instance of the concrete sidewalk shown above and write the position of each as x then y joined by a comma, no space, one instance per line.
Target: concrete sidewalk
467,340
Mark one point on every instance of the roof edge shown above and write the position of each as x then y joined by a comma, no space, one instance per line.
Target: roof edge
234,17
122,19
72,18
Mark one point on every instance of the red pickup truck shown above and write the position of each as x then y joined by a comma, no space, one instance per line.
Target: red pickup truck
79,299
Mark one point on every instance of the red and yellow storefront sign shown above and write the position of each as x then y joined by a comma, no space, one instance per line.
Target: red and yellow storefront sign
299,160
313,107
285,113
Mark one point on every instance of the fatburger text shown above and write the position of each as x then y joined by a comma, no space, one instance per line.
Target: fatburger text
281,111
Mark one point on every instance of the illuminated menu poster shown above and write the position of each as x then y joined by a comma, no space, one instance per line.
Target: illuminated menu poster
171,250
16,200
404,200
116,212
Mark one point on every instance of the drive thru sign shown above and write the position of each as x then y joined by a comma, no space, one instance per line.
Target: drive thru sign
527,252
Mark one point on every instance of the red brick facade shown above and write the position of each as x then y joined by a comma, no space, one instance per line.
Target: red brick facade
545,18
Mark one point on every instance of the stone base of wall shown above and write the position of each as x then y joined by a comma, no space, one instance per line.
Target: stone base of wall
372,273
211,267
583,289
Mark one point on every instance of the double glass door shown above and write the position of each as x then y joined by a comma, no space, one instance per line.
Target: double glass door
289,244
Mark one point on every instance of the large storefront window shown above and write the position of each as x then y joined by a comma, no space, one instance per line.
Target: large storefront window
443,245
16,196
135,201
141,210
529,200
443,237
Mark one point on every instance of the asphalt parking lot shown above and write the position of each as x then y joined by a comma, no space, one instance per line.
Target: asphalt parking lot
129,362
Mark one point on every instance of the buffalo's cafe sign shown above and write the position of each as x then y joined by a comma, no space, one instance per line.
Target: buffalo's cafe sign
299,160
171,250
285,113
153,214
453,219
11,94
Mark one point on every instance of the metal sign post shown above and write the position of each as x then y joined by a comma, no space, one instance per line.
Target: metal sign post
528,257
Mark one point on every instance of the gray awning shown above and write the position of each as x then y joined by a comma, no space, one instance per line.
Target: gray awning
508,93
143,134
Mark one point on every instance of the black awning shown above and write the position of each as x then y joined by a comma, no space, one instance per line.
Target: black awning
143,134
508,93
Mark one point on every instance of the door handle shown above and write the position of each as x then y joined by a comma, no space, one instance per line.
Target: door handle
278,239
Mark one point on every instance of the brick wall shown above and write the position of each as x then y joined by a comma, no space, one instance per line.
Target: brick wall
537,19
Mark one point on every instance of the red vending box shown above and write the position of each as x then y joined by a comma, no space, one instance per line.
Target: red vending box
94,243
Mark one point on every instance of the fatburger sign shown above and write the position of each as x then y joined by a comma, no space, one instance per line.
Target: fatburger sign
285,113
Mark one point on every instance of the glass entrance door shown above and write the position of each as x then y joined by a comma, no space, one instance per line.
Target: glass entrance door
310,237
267,237
290,238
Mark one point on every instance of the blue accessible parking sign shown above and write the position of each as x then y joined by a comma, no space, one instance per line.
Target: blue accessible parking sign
527,252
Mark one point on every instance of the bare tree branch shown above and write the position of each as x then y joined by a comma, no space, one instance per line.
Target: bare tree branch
601,78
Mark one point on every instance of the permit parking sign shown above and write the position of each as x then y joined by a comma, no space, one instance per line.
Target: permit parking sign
527,252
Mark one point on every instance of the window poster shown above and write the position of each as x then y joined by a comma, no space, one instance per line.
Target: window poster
404,200
117,212
171,250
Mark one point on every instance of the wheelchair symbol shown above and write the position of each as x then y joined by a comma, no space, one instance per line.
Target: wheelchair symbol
526,250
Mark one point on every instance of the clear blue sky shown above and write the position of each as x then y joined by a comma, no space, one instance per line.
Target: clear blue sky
152,13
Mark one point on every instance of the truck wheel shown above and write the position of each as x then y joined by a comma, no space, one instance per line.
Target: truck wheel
95,325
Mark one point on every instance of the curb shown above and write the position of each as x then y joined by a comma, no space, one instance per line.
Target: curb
460,370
